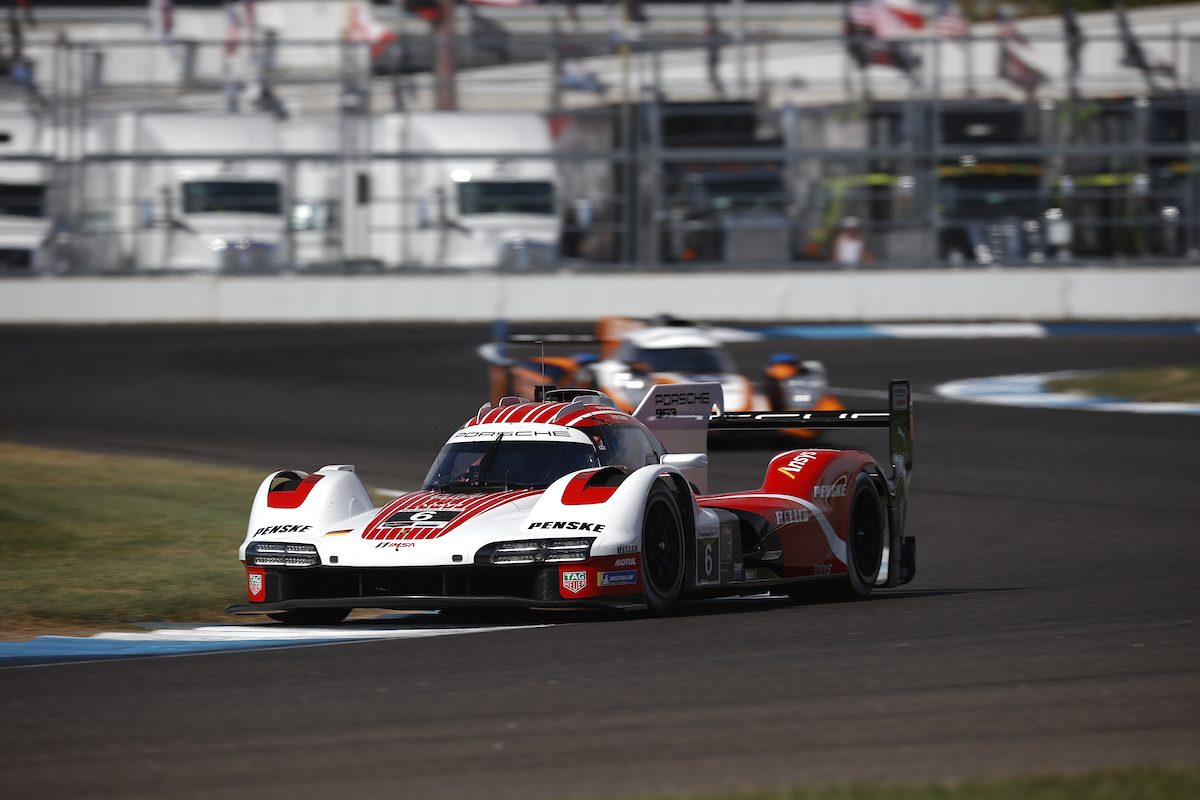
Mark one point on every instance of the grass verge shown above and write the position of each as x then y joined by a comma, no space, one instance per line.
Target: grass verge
1151,385
89,540
1132,783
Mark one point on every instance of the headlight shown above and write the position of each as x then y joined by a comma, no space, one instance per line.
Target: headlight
542,551
632,387
281,554
802,393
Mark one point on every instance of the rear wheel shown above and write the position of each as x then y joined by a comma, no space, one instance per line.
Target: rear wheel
662,551
866,533
311,616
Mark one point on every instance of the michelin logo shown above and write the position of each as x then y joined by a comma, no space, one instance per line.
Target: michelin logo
623,578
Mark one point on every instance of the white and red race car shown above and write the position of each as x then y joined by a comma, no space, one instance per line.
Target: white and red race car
573,502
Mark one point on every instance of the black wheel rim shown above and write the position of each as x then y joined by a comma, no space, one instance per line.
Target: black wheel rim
661,549
867,544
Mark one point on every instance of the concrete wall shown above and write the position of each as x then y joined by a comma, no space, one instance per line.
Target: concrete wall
867,296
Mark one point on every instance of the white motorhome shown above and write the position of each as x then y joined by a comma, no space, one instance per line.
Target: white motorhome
454,204
316,177
183,197
25,192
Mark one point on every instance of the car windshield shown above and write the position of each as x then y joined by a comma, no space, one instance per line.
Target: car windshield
506,197
255,197
506,464
22,200
689,360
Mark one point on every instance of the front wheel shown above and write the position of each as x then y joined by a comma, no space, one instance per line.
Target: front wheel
662,551
311,616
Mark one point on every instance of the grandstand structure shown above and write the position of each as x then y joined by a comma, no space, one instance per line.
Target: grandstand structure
946,163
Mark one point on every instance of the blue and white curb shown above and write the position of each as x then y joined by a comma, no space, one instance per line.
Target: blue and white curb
197,640
1029,391
979,330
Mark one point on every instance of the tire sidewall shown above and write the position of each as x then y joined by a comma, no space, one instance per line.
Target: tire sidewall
864,492
656,601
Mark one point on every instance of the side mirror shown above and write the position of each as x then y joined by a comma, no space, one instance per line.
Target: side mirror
685,460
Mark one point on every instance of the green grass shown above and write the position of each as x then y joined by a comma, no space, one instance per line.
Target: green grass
1154,385
93,539
1134,783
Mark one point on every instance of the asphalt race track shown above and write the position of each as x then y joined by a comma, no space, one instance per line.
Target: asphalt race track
1054,623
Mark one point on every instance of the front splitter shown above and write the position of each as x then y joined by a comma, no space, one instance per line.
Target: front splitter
425,602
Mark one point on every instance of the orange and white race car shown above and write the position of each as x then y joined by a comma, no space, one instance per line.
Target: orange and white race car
635,355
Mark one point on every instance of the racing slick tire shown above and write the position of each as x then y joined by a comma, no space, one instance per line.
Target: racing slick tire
866,533
865,537
663,551
311,616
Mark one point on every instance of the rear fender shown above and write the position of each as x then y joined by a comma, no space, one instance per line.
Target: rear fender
823,477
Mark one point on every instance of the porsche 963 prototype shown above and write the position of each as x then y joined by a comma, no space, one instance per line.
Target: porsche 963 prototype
572,502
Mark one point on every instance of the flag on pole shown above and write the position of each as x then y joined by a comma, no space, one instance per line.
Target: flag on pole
893,19
903,13
428,10
233,29
1074,41
949,22
250,15
363,28
1006,28
1073,34
1016,64
1135,56
489,35
869,29
162,18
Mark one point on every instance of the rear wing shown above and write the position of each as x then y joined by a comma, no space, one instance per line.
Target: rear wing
897,419
681,415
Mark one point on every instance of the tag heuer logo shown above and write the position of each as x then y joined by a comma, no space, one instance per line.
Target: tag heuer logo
574,582
255,583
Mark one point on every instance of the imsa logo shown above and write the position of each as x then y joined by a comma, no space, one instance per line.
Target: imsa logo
574,582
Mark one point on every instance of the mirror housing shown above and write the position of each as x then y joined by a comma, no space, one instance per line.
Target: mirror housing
684,461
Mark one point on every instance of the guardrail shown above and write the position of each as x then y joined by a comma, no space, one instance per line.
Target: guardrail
860,297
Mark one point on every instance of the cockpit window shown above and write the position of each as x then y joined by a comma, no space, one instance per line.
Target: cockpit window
689,360
501,463
624,445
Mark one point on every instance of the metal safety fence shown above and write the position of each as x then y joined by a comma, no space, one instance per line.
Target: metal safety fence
294,155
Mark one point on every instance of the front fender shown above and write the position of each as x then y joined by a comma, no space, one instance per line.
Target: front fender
610,503
321,501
